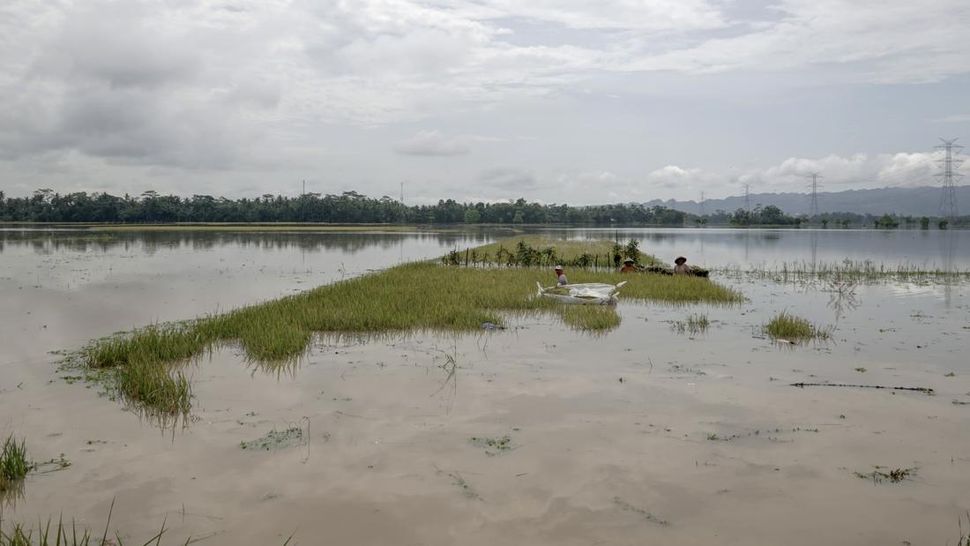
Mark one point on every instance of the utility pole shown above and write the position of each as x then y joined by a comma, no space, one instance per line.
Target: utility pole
948,201
402,192
815,177
304,188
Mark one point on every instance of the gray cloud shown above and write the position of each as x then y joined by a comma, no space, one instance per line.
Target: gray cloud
615,100
432,143
508,180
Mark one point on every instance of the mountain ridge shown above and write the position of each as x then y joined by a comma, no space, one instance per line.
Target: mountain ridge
914,201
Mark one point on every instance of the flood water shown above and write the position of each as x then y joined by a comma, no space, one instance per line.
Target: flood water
772,248
643,435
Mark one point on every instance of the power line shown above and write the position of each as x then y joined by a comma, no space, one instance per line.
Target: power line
948,200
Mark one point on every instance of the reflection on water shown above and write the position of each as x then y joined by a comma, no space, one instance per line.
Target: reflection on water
48,242
843,296
771,248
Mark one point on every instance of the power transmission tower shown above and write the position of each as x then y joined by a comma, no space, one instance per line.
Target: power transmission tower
948,201
402,192
702,203
815,184
747,197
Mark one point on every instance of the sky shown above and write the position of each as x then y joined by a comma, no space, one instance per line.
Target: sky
566,101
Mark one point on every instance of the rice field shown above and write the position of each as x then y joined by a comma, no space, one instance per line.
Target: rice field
415,297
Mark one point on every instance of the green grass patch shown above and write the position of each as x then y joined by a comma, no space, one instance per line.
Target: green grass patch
787,327
150,383
14,463
415,297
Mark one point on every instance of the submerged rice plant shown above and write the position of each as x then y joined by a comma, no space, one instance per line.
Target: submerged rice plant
857,271
694,324
787,327
14,464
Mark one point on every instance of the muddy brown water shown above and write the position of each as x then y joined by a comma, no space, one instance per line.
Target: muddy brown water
640,436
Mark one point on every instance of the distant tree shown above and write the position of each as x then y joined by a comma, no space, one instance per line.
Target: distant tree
472,216
887,221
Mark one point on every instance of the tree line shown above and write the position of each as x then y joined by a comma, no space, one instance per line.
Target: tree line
354,208
347,207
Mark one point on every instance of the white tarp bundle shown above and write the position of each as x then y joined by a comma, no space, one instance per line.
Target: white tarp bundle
591,293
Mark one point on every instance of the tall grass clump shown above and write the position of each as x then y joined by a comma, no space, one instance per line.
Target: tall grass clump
14,464
150,383
785,326
591,318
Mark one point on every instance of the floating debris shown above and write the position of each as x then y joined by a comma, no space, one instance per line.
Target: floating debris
925,390
276,439
493,446
894,476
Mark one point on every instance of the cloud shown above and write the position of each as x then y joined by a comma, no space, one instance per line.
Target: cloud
432,143
508,179
168,90
874,42
851,172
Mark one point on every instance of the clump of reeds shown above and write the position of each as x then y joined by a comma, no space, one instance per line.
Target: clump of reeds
591,318
151,383
14,463
694,324
787,327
